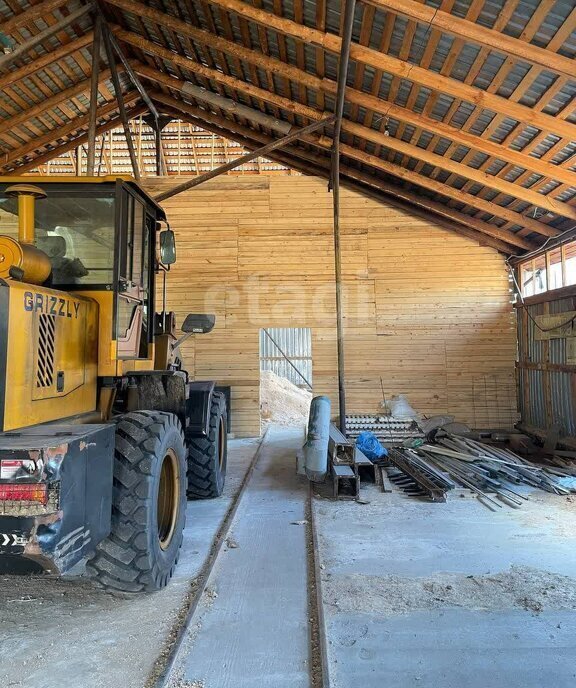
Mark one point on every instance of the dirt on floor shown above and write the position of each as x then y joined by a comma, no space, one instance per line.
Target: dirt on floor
521,587
282,402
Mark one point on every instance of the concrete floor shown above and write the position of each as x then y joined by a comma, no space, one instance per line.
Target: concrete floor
449,595
251,628
63,633
415,594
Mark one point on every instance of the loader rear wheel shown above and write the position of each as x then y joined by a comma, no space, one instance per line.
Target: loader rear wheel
148,507
207,456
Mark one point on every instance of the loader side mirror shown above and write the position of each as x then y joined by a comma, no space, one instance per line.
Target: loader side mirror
167,247
198,324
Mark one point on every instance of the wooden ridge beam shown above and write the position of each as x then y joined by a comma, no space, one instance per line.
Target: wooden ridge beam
78,141
455,194
325,85
201,115
469,31
8,159
32,13
401,68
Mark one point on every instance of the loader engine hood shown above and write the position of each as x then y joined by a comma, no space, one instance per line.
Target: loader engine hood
48,355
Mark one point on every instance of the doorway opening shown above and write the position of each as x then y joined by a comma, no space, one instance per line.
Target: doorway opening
285,375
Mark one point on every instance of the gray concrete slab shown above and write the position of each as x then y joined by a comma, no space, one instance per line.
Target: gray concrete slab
252,626
449,595
455,648
56,633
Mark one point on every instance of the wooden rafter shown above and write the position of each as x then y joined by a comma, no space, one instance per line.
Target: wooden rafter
400,68
304,162
312,114
496,40
328,86
470,115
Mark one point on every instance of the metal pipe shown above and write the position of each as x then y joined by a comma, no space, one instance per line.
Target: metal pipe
335,181
264,150
131,73
229,105
94,83
271,338
315,449
120,100
158,140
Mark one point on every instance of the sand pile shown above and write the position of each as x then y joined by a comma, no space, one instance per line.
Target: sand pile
282,402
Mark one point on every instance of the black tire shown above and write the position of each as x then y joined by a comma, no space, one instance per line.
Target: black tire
207,456
141,552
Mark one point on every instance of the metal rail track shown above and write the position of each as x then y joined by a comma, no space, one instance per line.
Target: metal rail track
166,668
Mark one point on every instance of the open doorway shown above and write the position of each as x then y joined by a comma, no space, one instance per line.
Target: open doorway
285,375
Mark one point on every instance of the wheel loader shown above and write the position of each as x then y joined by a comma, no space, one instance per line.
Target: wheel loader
103,434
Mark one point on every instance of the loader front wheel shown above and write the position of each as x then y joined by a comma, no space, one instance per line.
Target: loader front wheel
207,456
149,504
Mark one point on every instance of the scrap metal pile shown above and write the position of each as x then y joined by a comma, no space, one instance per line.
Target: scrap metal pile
495,475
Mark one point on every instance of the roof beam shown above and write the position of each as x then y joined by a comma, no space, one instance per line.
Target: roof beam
402,69
326,85
39,63
307,163
470,31
105,32
486,206
479,176
55,100
32,13
8,159
485,227
23,48
237,162
360,130
448,191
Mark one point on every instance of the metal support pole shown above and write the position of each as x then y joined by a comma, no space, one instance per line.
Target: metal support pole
263,151
335,180
158,137
120,100
94,82
131,73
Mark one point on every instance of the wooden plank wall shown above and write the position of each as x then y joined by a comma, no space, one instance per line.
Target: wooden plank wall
426,311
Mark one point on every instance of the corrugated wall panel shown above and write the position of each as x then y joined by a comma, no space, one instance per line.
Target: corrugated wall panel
546,379
296,344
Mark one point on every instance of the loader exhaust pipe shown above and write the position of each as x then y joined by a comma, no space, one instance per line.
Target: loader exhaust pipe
21,259
26,195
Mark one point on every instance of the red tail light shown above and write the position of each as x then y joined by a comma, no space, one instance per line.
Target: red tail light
24,492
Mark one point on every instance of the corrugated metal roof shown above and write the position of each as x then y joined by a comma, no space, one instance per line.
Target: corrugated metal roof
488,70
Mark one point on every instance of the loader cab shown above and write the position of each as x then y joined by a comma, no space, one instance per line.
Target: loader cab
101,236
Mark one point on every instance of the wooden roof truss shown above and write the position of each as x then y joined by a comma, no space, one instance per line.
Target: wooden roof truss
461,108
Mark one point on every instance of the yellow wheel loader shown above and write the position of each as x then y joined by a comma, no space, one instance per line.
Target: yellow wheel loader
103,435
